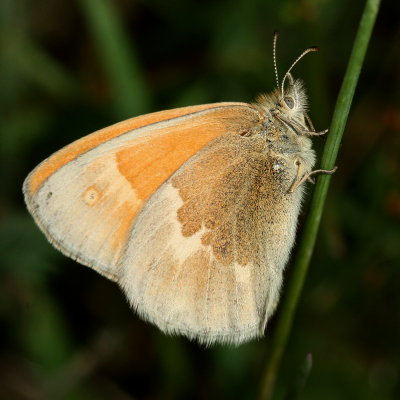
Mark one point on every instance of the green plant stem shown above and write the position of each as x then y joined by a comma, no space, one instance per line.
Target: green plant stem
307,243
118,56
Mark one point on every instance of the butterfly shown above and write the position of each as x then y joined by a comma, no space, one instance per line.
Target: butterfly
191,211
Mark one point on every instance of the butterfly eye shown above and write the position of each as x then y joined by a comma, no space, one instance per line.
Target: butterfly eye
289,101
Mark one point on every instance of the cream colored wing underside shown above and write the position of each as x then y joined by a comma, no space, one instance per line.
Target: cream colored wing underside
204,258
176,283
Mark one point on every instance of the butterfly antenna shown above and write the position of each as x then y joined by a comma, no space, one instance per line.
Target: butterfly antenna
276,34
306,51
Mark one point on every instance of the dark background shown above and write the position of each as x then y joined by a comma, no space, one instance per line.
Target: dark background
71,67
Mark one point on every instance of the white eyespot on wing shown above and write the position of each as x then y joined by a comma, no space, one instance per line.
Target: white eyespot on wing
84,212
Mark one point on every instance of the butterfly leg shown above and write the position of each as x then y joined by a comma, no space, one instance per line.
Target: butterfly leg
320,133
301,178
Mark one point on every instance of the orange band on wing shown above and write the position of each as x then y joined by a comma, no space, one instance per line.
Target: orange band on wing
147,165
86,143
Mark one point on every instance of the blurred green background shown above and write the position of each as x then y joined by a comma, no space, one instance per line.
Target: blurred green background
68,68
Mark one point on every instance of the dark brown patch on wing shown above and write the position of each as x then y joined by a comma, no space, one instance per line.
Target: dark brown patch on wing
231,189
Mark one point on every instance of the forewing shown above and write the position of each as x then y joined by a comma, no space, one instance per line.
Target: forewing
86,197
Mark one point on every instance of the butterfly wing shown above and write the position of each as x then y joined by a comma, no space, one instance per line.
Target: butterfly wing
178,207
204,258
86,196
